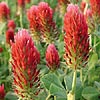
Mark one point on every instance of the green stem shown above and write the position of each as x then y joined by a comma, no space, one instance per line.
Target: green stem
81,77
71,94
54,97
90,40
21,19
74,82
95,42
7,2
47,98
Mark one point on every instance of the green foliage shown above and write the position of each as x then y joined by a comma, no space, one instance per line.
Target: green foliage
90,93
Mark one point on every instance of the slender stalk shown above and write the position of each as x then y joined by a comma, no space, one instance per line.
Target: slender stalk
90,38
95,42
47,98
54,97
21,19
71,94
81,76
74,82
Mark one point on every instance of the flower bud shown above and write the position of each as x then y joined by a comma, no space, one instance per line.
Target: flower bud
4,12
2,92
9,36
52,57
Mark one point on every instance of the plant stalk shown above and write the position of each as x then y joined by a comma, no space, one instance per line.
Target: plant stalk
47,98
74,82
71,94
21,19
54,97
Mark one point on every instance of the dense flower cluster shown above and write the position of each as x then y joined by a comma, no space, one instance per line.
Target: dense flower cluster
25,58
21,3
4,11
2,92
9,36
76,38
32,15
83,5
95,6
52,57
11,24
27,1
41,20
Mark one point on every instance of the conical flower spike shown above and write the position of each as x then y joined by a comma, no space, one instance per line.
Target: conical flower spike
76,38
52,57
47,25
25,58
4,12
33,17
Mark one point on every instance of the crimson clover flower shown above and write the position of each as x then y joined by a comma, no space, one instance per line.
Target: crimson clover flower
25,58
76,38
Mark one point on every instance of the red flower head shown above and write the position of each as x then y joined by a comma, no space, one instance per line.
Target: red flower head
21,3
83,5
27,1
1,49
47,25
52,57
2,92
11,24
76,38
9,36
25,58
32,15
95,6
4,11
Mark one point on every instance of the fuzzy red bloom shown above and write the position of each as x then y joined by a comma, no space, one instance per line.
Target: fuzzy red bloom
76,38
21,3
83,5
9,36
33,17
47,25
4,11
1,49
11,24
52,57
95,6
25,58
2,92
27,1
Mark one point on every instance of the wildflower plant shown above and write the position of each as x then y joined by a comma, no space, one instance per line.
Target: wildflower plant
49,50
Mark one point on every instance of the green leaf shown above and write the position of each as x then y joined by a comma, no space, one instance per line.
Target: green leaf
57,91
11,96
68,82
90,93
49,79
97,84
93,60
